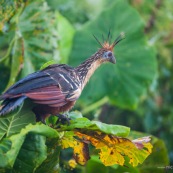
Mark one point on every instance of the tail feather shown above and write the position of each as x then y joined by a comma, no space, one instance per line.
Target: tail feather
9,105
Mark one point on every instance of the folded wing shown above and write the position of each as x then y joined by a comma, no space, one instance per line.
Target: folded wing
53,86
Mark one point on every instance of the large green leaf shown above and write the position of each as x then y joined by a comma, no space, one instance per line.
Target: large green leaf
86,125
50,163
135,69
14,123
37,26
31,155
10,147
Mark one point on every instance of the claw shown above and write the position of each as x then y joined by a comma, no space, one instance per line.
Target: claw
63,118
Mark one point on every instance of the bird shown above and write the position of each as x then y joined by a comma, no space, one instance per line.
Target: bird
55,89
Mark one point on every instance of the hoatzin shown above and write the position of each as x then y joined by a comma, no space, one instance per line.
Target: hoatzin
56,88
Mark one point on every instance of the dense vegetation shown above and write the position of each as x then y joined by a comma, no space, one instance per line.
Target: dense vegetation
136,92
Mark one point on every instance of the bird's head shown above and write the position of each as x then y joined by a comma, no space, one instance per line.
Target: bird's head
105,53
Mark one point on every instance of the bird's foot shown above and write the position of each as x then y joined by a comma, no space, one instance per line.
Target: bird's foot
43,121
40,119
63,118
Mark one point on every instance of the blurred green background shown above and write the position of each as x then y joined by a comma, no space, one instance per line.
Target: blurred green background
136,92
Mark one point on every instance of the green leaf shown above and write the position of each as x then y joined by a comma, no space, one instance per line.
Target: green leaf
10,147
41,29
75,115
14,123
126,81
86,125
38,27
32,153
117,130
52,160
17,60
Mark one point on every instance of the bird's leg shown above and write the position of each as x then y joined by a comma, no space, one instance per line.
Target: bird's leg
43,121
40,118
63,118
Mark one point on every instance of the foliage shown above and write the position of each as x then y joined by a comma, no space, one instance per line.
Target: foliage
152,163
15,123
35,39
36,32
159,114
31,140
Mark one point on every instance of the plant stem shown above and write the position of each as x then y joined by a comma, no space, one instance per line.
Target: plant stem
95,105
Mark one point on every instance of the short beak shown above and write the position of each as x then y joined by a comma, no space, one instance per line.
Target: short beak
112,60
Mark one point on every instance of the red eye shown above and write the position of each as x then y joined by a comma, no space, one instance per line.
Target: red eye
109,54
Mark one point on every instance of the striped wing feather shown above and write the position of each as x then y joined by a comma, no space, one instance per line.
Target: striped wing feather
51,96
53,86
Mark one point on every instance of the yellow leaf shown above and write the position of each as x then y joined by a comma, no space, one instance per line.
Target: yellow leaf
114,149
110,156
81,153
80,149
68,140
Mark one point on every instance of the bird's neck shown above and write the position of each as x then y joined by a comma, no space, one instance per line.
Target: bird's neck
87,68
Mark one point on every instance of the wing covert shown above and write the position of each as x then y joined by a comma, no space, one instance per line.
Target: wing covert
53,86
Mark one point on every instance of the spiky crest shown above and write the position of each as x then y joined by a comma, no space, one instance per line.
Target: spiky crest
107,44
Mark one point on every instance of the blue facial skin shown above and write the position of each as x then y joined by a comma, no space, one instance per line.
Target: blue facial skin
109,56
